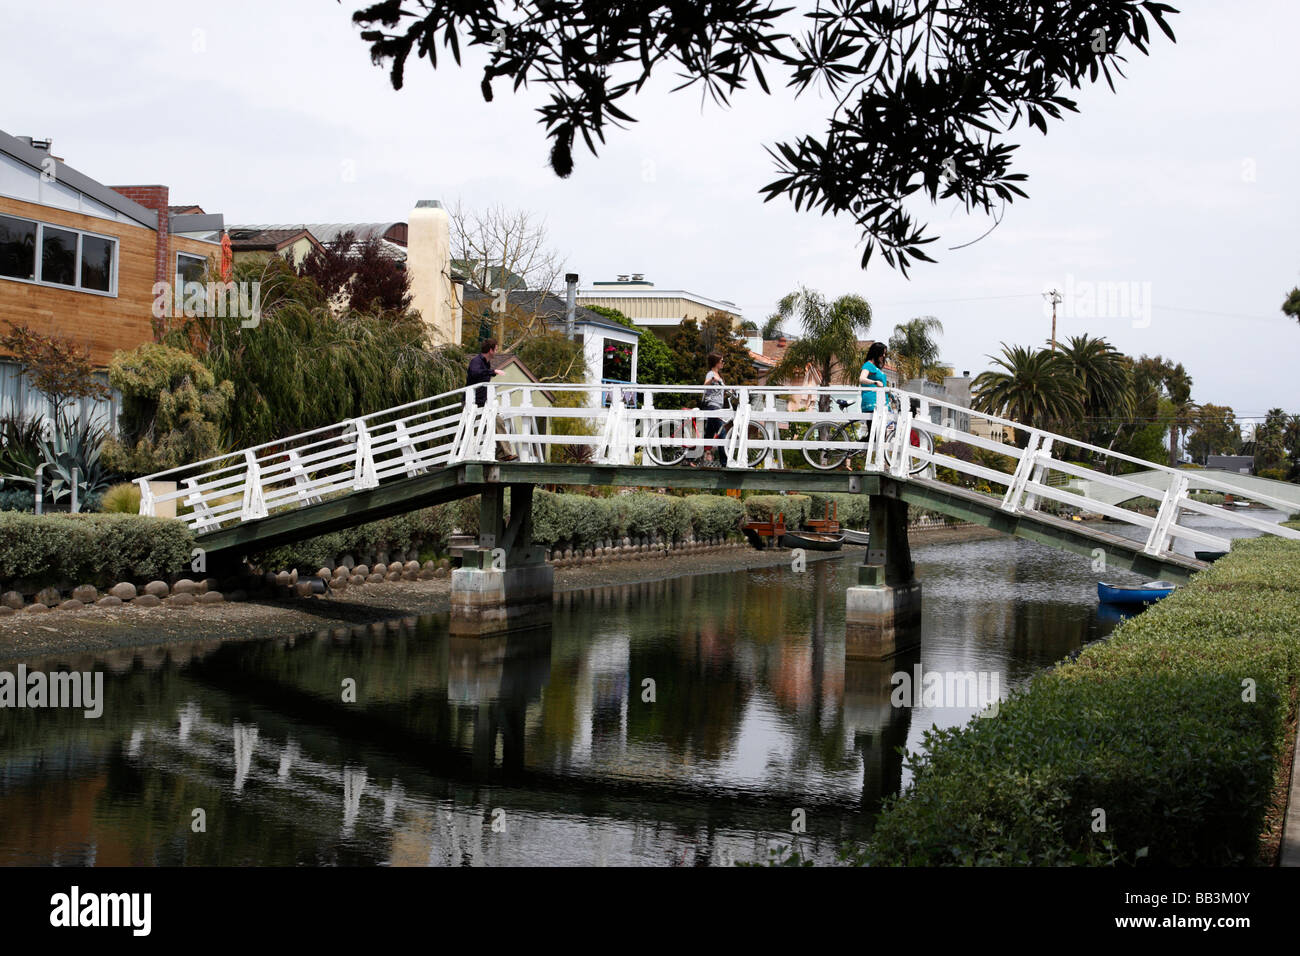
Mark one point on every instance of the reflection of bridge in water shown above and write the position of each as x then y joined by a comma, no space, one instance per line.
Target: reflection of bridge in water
441,449
550,729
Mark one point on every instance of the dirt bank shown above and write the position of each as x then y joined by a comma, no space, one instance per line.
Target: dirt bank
93,629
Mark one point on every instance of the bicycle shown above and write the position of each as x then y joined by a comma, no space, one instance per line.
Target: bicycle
825,459
670,441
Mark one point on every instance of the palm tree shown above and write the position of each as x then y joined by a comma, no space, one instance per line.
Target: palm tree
1106,374
915,352
1036,387
830,338
772,327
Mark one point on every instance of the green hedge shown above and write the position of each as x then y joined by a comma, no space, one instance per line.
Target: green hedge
578,520
100,549
764,507
852,509
428,526
1149,726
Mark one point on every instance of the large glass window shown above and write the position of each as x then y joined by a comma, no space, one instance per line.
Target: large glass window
17,248
58,256
67,257
190,268
97,263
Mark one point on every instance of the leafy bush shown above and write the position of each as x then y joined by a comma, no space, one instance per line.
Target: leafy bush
173,410
714,515
122,499
17,499
852,509
765,507
1153,726
97,549
662,515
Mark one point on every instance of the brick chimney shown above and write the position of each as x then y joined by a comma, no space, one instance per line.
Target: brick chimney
155,198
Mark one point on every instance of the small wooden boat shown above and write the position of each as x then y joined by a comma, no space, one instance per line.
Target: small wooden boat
1147,593
1209,556
813,540
853,536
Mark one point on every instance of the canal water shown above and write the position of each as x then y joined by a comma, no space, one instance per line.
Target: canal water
696,721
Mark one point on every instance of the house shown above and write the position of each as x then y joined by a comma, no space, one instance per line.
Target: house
640,301
609,349
774,351
83,260
249,244
422,245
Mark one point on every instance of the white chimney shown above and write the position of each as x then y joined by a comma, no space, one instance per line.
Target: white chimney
428,262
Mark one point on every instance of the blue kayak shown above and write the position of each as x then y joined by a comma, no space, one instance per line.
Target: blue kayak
1134,593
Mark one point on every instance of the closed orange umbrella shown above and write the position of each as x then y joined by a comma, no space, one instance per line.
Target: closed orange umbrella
227,256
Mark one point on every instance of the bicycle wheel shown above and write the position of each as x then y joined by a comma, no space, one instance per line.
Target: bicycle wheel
920,440
756,433
824,459
663,444
923,441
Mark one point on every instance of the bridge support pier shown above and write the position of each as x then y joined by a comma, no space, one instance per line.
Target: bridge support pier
883,613
506,584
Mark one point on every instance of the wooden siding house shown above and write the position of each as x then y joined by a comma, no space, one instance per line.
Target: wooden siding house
81,260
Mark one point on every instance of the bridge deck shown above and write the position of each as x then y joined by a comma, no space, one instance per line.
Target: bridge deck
471,478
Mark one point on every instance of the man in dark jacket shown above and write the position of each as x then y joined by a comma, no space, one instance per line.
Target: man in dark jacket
480,371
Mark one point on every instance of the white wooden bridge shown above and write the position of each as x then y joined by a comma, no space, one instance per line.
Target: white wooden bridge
774,438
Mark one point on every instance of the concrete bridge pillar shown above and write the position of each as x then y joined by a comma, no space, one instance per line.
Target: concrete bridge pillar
506,584
883,613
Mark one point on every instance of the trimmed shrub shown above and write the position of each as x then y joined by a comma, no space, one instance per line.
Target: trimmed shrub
427,527
765,507
852,509
99,549
714,515
649,514
1150,725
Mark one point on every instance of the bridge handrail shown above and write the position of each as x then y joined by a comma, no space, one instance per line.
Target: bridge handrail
359,453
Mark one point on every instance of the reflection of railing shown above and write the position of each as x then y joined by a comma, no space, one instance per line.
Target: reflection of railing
432,433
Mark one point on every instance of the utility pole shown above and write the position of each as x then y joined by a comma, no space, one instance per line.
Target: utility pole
1053,297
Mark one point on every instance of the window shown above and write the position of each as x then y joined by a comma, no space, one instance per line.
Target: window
58,256
17,248
68,258
97,263
190,268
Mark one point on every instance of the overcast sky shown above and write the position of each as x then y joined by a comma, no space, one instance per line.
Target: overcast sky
1182,188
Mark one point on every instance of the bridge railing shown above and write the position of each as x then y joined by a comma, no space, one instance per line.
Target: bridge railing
910,436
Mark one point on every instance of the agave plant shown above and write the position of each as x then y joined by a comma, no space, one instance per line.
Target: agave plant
20,450
68,447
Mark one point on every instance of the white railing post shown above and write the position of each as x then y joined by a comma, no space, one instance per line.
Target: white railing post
147,504
1158,541
773,456
1040,472
363,470
1024,468
608,452
406,445
467,431
902,436
738,441
203,517
527,426
253,506
301,482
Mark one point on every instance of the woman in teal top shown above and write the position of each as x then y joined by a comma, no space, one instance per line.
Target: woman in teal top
875,376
